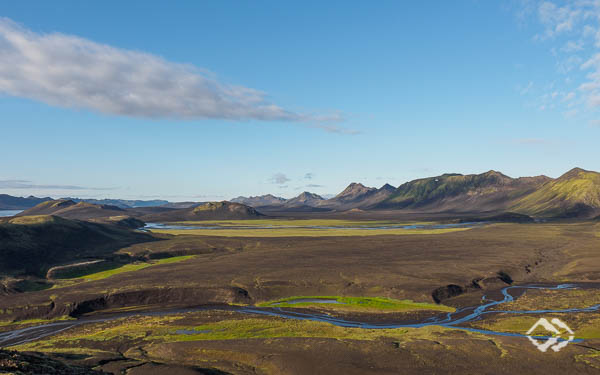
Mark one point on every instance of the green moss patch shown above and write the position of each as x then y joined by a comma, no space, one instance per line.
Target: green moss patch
357,303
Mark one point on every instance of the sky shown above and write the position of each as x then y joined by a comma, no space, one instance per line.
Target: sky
215,99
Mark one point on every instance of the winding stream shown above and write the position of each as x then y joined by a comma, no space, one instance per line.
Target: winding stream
450,320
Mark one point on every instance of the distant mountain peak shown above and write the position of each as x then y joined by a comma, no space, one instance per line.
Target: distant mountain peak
387,187
306,198
308,194
260,200
355,188
492,172
574,173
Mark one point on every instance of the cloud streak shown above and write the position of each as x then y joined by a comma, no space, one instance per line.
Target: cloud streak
24,184
69,71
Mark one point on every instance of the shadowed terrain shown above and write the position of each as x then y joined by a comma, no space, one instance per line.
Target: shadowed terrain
201,292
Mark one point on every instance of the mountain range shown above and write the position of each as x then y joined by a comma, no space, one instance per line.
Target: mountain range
574,194
123,203
8,202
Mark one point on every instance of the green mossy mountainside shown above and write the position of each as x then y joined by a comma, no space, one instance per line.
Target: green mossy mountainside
30,245
476,193
574,194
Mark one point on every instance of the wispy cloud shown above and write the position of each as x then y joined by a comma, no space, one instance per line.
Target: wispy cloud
526,89
533,141
309,176
335,129
572,29
69,71
25,184
314,186
279,179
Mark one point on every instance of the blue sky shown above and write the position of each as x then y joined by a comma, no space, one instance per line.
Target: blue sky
211,100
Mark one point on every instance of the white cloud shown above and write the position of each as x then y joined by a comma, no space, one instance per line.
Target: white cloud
73,72
279,179
572,30
558,19
568,97
525,90
572,46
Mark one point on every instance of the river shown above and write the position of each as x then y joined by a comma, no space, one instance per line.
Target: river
449,320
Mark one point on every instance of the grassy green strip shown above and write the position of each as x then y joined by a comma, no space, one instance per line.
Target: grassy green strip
358,303
5,323
133,267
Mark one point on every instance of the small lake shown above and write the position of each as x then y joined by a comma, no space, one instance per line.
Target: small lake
7,213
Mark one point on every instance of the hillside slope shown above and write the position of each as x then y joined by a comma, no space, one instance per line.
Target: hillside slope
261,200
69,209
29,245
305,199
209,211
122,203
574,194
490,191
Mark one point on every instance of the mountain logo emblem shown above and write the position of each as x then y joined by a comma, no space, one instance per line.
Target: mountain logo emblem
556,342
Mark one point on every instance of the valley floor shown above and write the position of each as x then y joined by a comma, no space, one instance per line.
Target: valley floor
391,277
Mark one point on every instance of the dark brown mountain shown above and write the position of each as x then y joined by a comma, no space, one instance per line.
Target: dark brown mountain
259,201
208,211
72,210
8,202
357,195
353,194
305,199
181,204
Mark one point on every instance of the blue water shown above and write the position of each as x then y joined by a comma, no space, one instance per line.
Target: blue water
449,320
191,331
7,213
150,226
